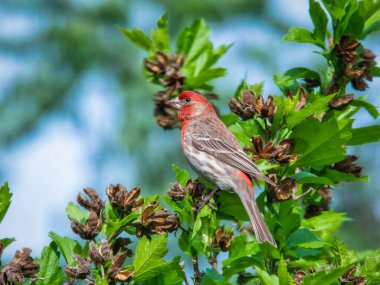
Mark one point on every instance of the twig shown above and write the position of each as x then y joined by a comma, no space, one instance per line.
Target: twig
213,261
295,198
206,199
197,274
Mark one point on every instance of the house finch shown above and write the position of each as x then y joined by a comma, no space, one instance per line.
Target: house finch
214,153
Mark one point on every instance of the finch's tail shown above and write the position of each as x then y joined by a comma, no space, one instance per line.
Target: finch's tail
261,230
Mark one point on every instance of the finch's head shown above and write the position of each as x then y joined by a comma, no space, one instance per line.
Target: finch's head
191,105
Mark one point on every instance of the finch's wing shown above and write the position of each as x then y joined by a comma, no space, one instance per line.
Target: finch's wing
230,155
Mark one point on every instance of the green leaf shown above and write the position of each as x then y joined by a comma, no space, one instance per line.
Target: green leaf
302,72
114,225
231,206
201,225
181,175
160,36
172,274
75,213
50,272
338,176
325,277
244,130
371,268
193,40
303,237
304,177
212,277
137,37
241,255
229,119
289,220
301,35
6,241
343,255
320,143
266,278
319,18
326,224
372,24
317,106
365,135
283,274
361,102
67,246
335,8
183,208
149,255
5,200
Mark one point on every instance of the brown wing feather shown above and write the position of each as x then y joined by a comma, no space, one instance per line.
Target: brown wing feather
229,155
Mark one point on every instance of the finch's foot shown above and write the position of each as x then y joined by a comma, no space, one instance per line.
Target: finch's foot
206,200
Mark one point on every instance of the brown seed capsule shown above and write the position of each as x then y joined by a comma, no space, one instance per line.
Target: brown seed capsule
357,62
120,244
274,153
95,203
153,67
337,103
116,264
222,239
302,100
1,248
312,83
121,199
81,271
177,192
90,229
195,188
284,190
298,277
22,266
347,165
244,107
157,221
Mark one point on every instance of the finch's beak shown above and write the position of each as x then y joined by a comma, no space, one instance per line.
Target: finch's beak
175,103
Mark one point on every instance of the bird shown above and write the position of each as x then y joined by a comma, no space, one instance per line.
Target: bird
215,154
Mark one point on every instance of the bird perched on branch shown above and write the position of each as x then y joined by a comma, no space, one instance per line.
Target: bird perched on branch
214,153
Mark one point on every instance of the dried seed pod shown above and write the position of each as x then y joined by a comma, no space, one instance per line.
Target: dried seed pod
347,165
81,271
274,153
314,209
99,255
90,229
298,277
244,107
153,67
222,239
1,248
123,275
116,264
177,192
337,103
121,199
94,204
312,83
120,244
284,190
302,100
195,188
157,221
22,266
357,62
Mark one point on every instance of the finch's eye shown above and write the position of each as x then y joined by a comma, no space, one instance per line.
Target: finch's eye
188,99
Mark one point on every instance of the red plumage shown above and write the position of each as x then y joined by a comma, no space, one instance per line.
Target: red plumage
214,153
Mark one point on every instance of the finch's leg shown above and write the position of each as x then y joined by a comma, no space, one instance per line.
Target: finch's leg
206,200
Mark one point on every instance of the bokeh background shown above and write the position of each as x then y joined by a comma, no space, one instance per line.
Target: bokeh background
76,111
